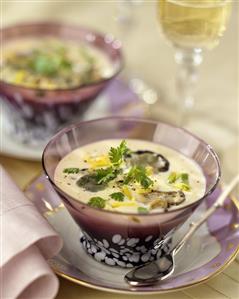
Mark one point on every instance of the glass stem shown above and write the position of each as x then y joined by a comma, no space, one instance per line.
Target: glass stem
188,61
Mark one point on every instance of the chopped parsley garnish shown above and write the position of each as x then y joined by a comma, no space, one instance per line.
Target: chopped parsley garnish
97,202
71,170
105,175
118,196
183,184
117,154
44,64
138,174
184,178
142,210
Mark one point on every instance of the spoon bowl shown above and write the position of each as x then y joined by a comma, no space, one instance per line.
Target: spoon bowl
145,274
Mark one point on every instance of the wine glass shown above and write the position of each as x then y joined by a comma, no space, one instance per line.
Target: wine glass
191,26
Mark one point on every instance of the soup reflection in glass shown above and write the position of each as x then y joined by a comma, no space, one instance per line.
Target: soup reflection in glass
130,176
51,63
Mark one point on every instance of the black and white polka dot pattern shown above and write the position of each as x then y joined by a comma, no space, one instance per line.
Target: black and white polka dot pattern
122,252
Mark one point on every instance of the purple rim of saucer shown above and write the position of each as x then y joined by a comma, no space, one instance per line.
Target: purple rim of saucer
220,226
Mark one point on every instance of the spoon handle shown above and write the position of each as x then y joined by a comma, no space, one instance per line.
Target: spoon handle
217,204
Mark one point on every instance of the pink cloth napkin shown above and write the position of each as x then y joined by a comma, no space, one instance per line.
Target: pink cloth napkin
27,241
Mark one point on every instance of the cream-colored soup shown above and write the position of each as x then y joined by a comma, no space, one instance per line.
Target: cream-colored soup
149,178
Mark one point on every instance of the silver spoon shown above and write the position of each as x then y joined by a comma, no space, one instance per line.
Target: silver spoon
152,272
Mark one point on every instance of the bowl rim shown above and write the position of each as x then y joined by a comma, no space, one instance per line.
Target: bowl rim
101,35
135,119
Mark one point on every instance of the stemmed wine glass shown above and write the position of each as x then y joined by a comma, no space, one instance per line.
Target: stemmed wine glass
191,26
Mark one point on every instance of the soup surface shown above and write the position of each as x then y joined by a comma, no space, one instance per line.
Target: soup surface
51,63
132,176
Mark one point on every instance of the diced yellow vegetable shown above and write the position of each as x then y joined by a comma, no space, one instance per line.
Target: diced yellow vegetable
100,161
51,85
182,186
127,192
19,77
117,204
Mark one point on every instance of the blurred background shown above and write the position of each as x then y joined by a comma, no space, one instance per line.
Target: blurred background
149,56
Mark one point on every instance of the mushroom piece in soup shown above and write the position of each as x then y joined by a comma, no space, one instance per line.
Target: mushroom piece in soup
130,176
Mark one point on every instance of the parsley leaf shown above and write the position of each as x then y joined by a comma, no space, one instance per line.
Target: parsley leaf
105,175
118,196
138,173
97,202
71,170
142,210
117,154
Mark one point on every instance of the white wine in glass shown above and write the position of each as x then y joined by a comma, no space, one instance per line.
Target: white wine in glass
194,23
191,26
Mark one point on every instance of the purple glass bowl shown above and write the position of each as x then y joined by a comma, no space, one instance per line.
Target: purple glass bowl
36,114
126,239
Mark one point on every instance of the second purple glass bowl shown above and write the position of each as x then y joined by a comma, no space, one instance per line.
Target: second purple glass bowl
35,115
124,239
